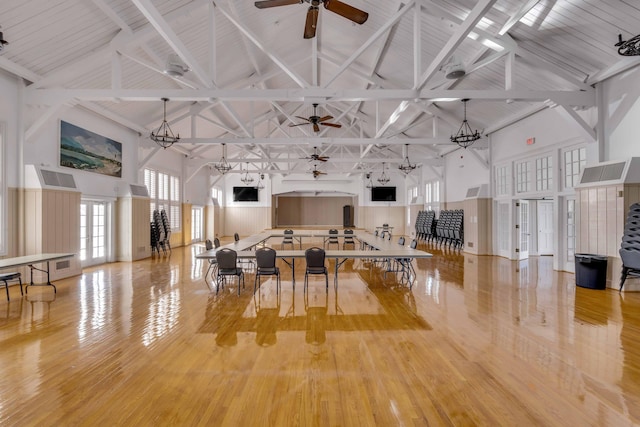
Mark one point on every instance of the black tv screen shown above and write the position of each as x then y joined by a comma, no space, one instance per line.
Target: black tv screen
383,194
245,194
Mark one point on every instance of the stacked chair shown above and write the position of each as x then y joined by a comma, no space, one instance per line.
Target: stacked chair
630,247
449,228
160,232
425,225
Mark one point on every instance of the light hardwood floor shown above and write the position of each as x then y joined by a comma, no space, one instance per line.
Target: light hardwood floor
476,341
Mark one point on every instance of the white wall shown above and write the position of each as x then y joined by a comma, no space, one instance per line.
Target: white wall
43,149
622,112
9,117
463,170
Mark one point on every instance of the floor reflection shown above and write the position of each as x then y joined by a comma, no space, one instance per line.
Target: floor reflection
267,312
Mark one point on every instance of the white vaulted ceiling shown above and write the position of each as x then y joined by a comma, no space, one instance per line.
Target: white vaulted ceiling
252,72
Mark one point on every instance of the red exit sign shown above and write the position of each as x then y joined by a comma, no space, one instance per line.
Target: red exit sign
531,141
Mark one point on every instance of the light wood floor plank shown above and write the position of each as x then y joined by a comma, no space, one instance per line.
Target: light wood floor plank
475,341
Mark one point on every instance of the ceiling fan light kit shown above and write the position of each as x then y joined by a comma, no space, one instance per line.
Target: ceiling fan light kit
629,47
164,136
316,120
346,11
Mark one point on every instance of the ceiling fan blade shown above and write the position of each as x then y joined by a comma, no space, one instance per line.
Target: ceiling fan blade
316,128
325,118
356,15
303,118
322,159
273,3
312,22
292,125
333,125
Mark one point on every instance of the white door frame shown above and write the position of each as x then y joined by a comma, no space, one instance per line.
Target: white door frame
546,230
95,233
522,235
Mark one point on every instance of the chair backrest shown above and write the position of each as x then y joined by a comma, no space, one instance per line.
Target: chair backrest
314,257
216,242
348,239
265,258
414,244
348,231
236,237
288,235
226,258
208,244
401,241
288,231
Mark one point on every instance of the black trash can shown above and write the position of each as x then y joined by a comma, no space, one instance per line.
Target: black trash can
591,271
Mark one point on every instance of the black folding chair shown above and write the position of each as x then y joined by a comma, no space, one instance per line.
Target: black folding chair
227,266
315,258
266,266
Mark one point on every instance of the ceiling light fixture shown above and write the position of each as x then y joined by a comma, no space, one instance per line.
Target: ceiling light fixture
3,42
406,166
383,179
247,179
630,47
260,184
223,166
369,184
175,67
164,137
465,136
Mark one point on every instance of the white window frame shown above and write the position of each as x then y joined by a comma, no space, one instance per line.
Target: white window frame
432,196
573,167
502,180
164,193
544,173
523,176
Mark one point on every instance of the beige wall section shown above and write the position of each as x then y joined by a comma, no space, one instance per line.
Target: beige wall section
450,206
602,213
246,221
311,211
186,224
478,226
13,232
52,224
370,217
133,229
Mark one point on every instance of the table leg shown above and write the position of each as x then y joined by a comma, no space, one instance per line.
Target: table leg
31,268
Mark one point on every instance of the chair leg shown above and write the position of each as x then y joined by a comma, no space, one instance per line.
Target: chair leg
6,287
255,281
625,271
20,281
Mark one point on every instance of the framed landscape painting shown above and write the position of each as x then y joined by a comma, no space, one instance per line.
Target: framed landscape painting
88,151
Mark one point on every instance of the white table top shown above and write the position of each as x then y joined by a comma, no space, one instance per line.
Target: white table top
33,259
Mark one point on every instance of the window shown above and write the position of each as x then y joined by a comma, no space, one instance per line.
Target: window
523,181
574,162
164,192
412,193
502,183
544,173
432,196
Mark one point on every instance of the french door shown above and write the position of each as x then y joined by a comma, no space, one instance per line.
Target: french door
93,232
545,228
197,224
523,232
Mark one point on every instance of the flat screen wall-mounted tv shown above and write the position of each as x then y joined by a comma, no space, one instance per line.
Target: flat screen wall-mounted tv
245,194
383,194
